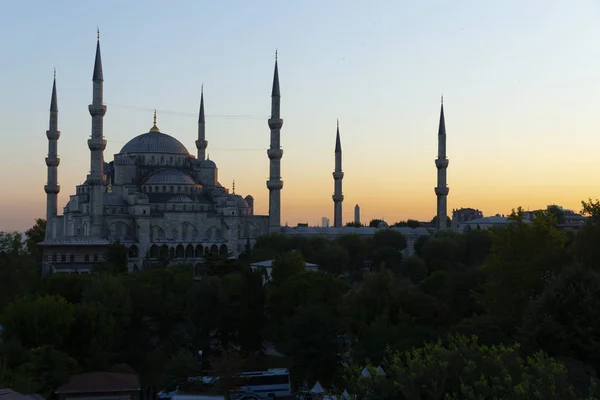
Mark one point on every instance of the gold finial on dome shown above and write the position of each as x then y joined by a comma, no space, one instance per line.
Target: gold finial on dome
154,127
234,186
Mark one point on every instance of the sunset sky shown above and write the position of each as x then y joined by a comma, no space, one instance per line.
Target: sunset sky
520,79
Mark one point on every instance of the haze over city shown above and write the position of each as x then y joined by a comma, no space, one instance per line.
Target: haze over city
519,79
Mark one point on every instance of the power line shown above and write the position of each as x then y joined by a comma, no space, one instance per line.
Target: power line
187,114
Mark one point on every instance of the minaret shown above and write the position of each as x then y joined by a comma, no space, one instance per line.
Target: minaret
201,143
441,163
338,175
52,188
357,214
97,144
275,184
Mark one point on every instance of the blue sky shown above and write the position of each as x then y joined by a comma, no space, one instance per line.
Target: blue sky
521,83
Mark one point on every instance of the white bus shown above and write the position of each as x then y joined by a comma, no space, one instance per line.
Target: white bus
269,385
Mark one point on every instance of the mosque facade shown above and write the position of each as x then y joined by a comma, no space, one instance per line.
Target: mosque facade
154,197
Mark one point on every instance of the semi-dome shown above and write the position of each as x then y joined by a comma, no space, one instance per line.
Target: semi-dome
154,142
169,177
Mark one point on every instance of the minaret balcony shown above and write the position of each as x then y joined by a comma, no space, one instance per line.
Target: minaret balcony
442,191
97,110
52,189
274,184
97,144
337,175
95,181
338,198
201,144
275,123
274,154
52,161
441,163
53,134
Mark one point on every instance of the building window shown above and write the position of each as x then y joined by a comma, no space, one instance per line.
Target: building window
164,188
162,159
171,160
172,189
63,258
54,257
72,258
184,207
95,257
87,258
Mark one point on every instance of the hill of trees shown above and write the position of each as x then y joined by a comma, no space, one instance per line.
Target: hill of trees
506,313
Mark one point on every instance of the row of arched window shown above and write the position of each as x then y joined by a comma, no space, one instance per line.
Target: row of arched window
63,257
189,251
170,189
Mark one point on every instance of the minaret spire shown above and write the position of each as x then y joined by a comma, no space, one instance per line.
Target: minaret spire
275,184
52,161
441,164
97,144
201,143
338,175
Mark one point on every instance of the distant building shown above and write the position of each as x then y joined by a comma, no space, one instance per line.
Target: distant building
101,386
486,223
325,222
462,215
357,214
9,394
570,221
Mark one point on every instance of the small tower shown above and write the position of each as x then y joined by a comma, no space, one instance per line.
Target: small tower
338,175
52,161
97,144
357,214
201,143
275,184
441,164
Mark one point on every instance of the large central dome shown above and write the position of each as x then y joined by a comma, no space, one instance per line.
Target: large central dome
155,142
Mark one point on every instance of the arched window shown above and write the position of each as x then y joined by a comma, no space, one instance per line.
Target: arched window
152,161
164,188
184,207
95,257
162,159
54,257
171,159
86,258
63,257
72,258
172,189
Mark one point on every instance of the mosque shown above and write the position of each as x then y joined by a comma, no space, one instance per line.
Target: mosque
154,197
162,202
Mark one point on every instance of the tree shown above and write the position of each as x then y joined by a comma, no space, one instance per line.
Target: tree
557,213
414,268
116,256
386,257
49,368
563,319
312,342
334,259
354,224
461,368
287,265
35,235
37,321
586,249
389,237
523,257
440,253
375,223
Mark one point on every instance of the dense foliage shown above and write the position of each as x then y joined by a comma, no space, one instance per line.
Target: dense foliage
505,313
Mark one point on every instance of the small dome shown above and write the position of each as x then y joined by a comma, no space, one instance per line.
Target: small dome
154,142
249,197
241,203
169,177
383,224
208,163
